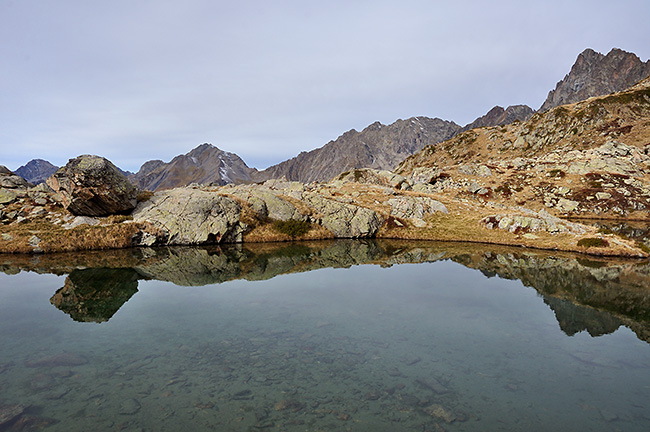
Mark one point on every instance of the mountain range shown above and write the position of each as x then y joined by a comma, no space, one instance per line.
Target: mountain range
377,146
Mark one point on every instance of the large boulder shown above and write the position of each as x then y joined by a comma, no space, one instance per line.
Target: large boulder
189,216
93,186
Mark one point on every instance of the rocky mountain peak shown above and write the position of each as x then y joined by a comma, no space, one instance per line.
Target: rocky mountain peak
36,171
498,116
595,74
377,146
204,164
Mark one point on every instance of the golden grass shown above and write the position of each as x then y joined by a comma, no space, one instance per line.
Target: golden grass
465,227
54,238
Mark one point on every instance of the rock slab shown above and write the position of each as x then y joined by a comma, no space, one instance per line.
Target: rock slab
192,216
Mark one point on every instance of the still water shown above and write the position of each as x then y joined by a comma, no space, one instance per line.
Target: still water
338,336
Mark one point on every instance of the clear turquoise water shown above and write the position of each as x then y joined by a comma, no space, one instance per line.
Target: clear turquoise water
414,347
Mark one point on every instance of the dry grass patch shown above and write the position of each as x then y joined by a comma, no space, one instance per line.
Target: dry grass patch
113,234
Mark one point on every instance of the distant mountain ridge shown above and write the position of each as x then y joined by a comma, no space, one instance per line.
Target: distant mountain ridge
377,146
595,74
205,164
498,116
36,171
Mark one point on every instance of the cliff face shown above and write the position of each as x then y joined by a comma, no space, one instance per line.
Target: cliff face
595,74
205,164
377,146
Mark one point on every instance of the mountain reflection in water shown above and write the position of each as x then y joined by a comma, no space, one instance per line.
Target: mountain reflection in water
585,294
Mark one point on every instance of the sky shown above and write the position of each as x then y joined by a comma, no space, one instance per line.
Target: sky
135,80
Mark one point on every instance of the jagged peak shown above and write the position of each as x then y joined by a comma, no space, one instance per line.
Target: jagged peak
595,74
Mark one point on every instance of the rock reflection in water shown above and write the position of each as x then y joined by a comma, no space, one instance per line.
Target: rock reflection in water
586,294
422,348
95,294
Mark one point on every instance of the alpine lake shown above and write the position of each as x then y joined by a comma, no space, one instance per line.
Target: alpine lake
324,336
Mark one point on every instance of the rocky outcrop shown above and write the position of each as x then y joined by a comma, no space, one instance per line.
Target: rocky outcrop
498,116
343,219
375,177
12,186
588,159
10,180
92,186
267,200
377,146
36,171
191,216
206,164
532,222
595,74
415,208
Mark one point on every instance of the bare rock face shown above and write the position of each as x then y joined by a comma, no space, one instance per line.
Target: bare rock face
595,74
93,186
345,220
192,216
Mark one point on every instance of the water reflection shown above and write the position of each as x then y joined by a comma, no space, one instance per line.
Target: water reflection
586,294
428,347
95,294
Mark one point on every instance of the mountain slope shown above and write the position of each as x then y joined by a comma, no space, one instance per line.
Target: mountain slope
377,146
588,159
579,126
595,74
205,164
36,170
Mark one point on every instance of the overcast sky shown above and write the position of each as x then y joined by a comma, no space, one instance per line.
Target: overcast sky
134,80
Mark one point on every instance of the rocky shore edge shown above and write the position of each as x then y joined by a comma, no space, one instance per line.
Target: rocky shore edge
90,205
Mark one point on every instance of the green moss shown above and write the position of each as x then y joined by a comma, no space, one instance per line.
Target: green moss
292,228
590,263
592,242
144,195
644,247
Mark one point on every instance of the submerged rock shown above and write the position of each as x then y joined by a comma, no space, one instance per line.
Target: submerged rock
9,413
130,407
63,359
